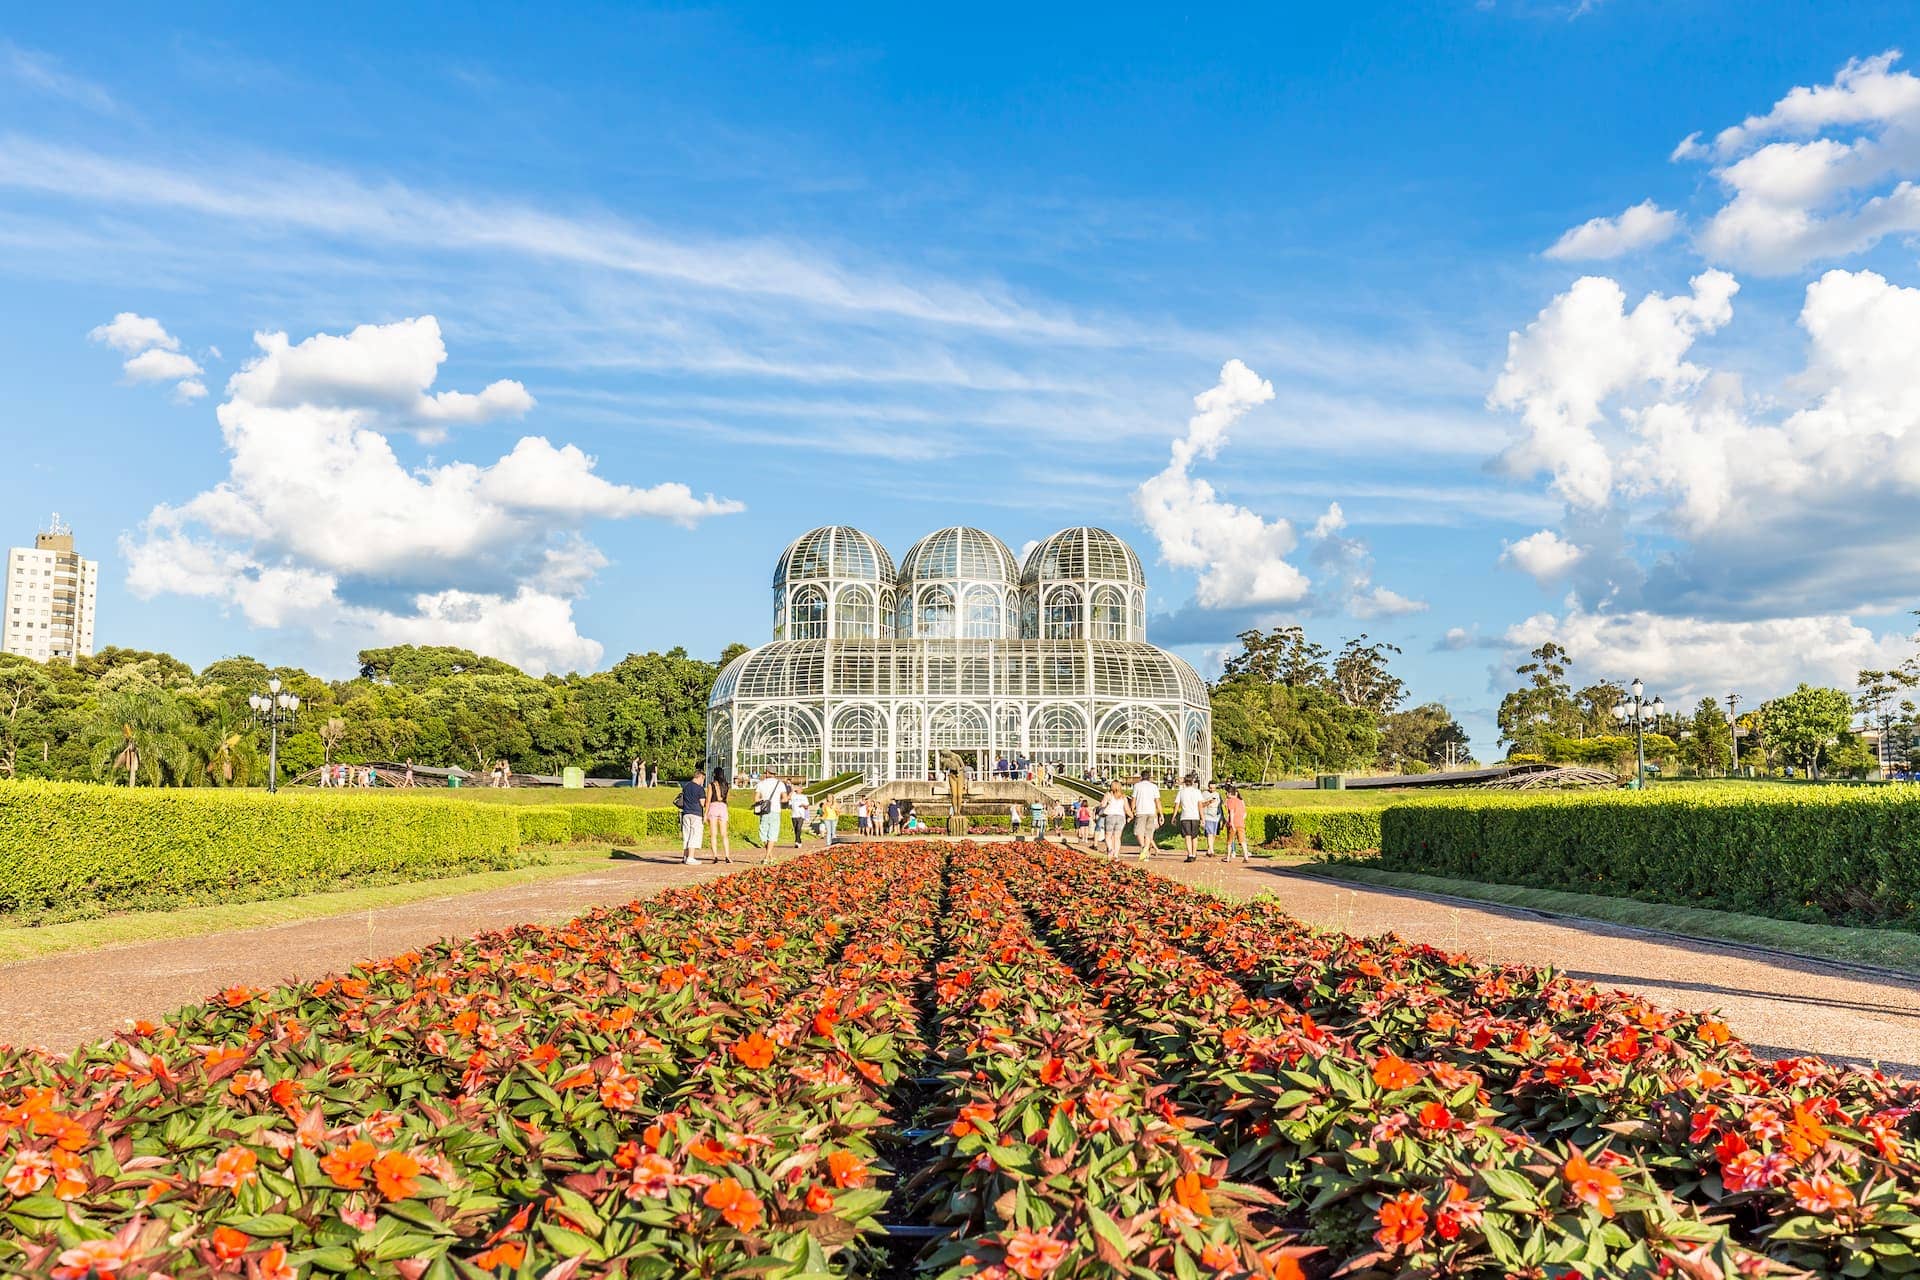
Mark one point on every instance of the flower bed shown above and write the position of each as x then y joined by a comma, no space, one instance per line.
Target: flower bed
998,1061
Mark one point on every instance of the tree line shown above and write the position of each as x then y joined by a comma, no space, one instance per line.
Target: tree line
431,704
1810,730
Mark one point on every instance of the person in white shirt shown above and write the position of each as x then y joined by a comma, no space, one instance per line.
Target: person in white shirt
802,809
1210,815
769,794
1114,811
1146,814
1186,802
1013,817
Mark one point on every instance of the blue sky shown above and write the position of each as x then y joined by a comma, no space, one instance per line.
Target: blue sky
903,270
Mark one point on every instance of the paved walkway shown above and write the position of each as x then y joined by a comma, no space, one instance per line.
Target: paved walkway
1781,1005
67,1000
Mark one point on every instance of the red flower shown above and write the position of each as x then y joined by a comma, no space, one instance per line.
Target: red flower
1403,1222
1052,1071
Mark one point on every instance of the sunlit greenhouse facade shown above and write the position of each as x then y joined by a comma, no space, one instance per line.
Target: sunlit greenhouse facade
961,648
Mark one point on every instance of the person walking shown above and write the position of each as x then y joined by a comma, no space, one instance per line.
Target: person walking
865,815
1082,821
893,817
801,808
1235,806
407,778
635,770
692,803
1013,819
1115,809
769,797
1210,814
1146,813
829,820
717,790
1186,803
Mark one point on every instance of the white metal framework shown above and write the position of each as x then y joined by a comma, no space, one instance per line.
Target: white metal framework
960,650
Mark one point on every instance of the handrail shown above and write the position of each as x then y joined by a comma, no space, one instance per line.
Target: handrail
1079,785
835,785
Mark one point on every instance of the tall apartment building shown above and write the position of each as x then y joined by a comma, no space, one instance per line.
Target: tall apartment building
50,598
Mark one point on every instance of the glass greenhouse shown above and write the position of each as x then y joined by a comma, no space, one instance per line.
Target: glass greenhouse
960,649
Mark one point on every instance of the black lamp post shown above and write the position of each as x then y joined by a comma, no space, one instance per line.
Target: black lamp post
275,708
1638,711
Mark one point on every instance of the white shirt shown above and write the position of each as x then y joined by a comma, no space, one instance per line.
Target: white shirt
801,805
1146,798
768,790
1188,799
1114,806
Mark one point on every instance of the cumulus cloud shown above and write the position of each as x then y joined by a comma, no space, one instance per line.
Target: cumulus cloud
153,354
1828,171
1545,556
1640,227
1586,348
320,526
1239,556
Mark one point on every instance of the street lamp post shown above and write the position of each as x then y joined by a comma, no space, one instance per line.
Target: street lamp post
1637,710
275,708
1733,731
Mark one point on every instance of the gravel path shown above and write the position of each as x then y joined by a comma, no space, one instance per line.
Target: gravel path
1782,1005
67,1000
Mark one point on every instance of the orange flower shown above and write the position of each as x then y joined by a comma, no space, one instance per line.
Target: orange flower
274,1264
508,1253
1591,1185
1403,1222
1032,1255
1821,1193
235,1167
347,1166
1714,1032
824,1022
1052,1071
1218,1256
1189,1191
103,1259
286,1092
739,1206
395,1172
819,1200
29,1172
847,1169
620,1091
229,1244
756,1051
1391,1072
1284,1267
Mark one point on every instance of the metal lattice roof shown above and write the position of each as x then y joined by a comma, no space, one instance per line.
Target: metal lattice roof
833,553
1083,554
959,554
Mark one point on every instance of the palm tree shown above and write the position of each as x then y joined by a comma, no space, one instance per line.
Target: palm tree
137,731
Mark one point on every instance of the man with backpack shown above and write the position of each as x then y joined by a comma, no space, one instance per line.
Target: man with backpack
769,797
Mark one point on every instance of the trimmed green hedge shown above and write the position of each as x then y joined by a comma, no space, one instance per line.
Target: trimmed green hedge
1331,830
74,849
1822,855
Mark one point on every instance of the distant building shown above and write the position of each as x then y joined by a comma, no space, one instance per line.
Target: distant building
50,598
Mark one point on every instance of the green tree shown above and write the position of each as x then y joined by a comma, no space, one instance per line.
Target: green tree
26,692
138,733
1708,748
1543,705
1806,724
1282,655
1425,734
1361,677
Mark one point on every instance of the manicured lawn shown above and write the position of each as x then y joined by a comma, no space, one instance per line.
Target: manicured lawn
1883,947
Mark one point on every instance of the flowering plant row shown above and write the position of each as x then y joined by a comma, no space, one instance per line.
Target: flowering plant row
1078,1070
1690,1150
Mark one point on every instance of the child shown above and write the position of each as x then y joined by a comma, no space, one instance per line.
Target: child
1083,821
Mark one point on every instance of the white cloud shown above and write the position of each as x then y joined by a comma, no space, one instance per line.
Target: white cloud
43,73
156,365
1688,658
319,526
1584,349
1382,602
1828,171
153,354
1239,556
1545,556
129,332
383,366
1643,225
1330,523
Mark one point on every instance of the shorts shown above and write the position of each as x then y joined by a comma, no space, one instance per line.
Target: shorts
1212,825
690,833
1190,827
717,812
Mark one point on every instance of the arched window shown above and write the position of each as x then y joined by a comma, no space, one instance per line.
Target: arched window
1109,614
936,614
1029,614
808,620
888,622
782,740
1062,620
959,727
909,742
1199,746
858,741
1057,734
1134,740
853,614
984,615
720,741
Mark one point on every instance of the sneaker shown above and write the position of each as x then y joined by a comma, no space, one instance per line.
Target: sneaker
692,861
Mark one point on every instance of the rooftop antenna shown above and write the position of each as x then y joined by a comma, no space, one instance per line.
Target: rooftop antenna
55,527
